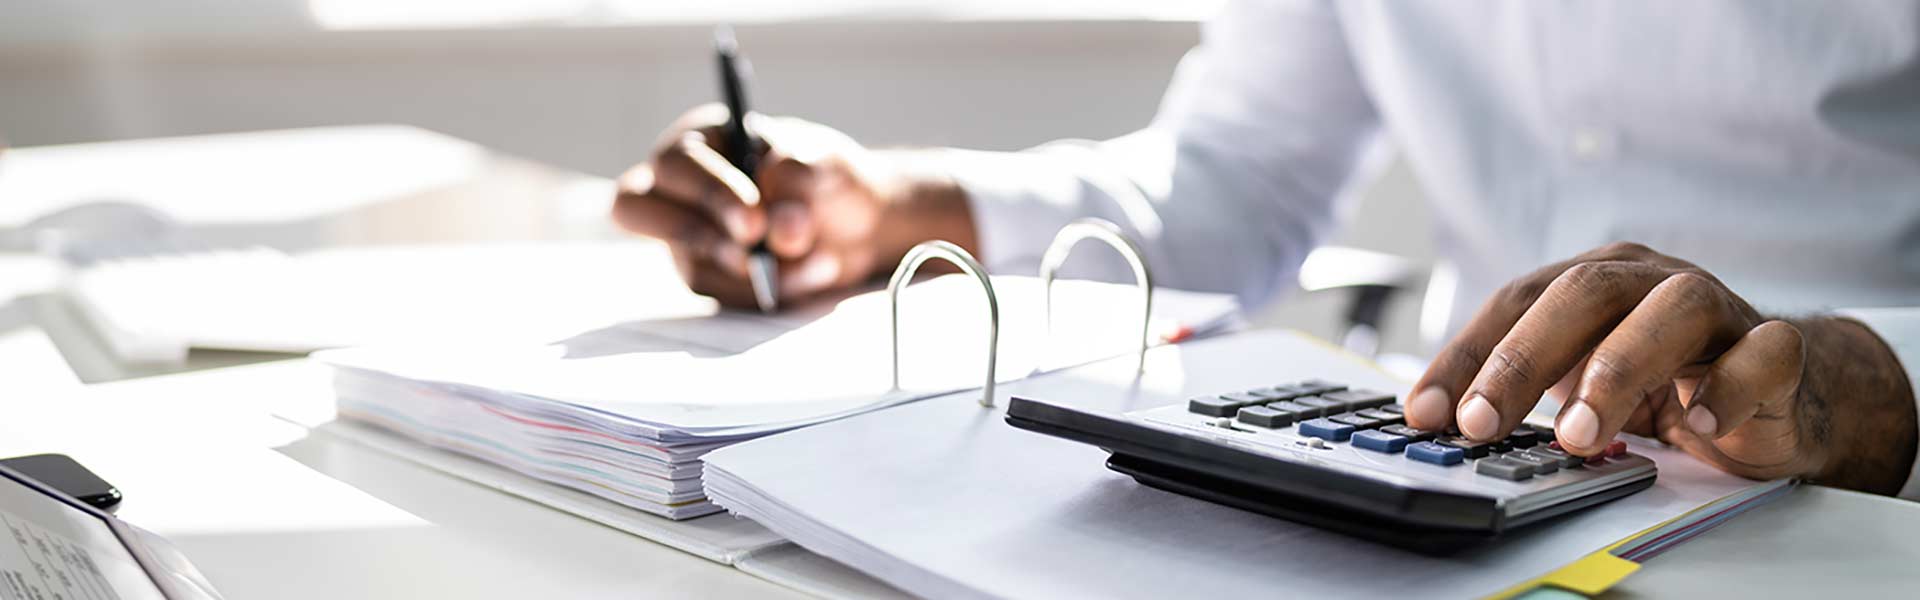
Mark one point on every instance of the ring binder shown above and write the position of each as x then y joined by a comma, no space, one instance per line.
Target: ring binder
1105,231
952,253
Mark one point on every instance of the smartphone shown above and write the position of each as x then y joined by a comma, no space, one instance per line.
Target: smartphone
66,475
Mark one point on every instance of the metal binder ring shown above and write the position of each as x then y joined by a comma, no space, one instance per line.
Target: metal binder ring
1104,231
960,258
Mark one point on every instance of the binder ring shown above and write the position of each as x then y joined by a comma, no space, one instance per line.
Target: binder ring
1105,231
952,253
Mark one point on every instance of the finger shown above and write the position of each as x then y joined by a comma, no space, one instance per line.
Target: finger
1684,319
818,272
1572,315
1758,376
688,170
787,184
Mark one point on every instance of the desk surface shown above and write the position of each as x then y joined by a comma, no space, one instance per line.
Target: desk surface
269,510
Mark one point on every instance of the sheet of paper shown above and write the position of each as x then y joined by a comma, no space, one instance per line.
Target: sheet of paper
942,498
838,363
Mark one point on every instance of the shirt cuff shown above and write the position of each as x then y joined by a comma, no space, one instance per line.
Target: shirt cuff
1900,328
1019,201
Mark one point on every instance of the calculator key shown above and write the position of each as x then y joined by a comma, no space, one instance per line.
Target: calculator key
1395,408
1286,392
1213,406
1319,386
1301,411
1327,407
1429,452
1381,415
1472,448
1524,437
1417,435
1500,446
1326,429
1359,399
1616,449
1510,470
1357,421
1262,416
1567,461
1245,398
1379,441
1541,465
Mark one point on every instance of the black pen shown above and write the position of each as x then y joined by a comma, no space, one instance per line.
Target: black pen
741,151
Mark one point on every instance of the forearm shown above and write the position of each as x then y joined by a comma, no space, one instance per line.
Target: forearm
1858,406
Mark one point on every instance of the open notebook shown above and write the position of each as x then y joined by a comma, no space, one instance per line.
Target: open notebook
625,412
941,498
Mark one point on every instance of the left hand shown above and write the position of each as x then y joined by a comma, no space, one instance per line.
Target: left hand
1633,340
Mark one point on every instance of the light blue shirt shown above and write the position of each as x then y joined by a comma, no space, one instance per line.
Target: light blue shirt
1774,143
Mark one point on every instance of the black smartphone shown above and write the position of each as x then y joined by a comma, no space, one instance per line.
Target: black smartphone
66,475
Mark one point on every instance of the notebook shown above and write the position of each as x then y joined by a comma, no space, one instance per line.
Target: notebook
626,412
941,498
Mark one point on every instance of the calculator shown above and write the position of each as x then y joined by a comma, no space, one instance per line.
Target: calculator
1344,459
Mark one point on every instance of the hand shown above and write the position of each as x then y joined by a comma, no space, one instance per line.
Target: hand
831,211
1633,340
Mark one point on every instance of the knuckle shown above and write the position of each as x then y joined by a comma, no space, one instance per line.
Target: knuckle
1589,278
1610,371
1624,249
1511,366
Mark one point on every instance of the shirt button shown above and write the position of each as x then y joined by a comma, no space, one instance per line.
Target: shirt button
1593,143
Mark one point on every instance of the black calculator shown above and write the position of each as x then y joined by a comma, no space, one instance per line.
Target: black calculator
1344,459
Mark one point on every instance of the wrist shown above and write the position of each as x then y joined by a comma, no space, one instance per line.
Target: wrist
920,202
1856,407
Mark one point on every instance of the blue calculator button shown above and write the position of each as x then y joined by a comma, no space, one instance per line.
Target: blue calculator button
1326,429
1379,441
1429,452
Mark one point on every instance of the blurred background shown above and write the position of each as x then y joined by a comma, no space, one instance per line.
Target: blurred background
585,85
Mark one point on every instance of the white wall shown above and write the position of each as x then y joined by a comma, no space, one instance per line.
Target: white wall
592,98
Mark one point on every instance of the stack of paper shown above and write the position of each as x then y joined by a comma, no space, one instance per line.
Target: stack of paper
627,412
943,499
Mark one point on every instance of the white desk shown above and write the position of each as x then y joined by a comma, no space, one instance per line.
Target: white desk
268,510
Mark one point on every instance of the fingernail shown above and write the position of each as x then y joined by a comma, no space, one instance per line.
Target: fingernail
1478,419
1579,426
731,257
1431,406
736,223
789,220
1702,420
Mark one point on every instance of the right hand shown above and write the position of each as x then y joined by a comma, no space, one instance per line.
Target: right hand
825,205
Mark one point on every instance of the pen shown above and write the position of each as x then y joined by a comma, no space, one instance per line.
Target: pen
740,147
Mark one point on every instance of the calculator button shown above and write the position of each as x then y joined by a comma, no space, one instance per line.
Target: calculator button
1379,441
1429,452
1300,411
1359,399
1567,461
1326,429
1326,407
1616,449
1541,465
1524,437
1472,448
1382,416
1318,386
1510,470
1245,398
1500,446
1262,416
1409,433
1285,392
1357,421
1213,406
1395,408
